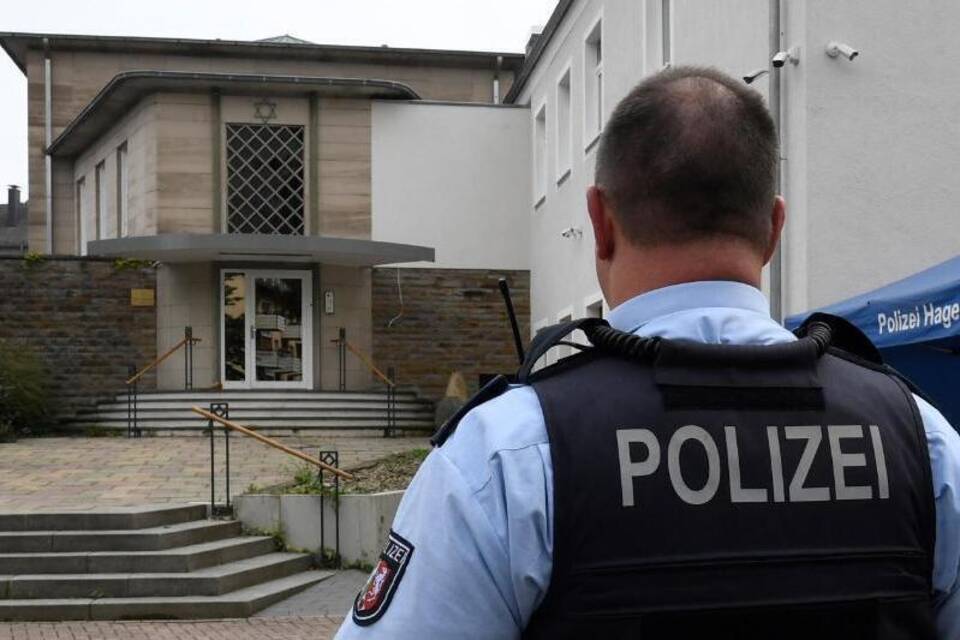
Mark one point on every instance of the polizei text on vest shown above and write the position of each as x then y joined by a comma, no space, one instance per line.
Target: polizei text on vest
697,464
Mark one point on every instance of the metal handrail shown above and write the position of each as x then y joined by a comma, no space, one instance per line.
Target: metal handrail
389,378
139,374
326,460
229,424
369,364
132,383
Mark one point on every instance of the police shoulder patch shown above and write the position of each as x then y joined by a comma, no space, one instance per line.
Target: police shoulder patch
374,598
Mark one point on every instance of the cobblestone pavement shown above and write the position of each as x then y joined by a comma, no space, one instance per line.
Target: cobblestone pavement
333,597
43,473
294,628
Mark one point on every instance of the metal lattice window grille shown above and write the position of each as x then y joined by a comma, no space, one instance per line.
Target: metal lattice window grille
265,184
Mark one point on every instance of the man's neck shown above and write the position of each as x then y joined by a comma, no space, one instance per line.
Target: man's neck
639,270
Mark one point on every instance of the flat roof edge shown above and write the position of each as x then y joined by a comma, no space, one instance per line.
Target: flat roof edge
226,247
513,60
401,90
530,63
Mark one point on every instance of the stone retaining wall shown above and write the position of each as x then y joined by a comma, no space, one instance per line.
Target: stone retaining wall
452,320
76,315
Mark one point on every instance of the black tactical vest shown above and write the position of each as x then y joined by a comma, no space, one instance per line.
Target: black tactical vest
734,492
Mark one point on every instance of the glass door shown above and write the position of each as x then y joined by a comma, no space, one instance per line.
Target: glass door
267,329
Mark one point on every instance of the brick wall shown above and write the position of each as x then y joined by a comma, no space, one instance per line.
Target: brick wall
75,314
453,320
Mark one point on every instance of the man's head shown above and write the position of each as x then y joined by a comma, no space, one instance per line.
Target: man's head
687,160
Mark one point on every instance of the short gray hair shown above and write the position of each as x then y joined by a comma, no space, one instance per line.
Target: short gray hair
690,153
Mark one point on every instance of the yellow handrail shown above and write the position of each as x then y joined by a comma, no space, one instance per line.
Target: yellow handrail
271,442
365,360
170,352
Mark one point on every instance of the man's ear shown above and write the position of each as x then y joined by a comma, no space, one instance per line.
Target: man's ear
778,216
602,222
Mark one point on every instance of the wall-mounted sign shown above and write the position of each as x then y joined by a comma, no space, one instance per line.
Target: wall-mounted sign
142,298
328,307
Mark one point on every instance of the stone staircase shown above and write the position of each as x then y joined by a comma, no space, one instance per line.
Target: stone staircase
279,412
166,562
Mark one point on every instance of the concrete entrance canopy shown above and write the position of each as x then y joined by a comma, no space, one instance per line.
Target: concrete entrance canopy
185,248
127,89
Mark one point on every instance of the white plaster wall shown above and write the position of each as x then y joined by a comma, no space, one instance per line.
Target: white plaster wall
731,35
870,147
455,178
873,146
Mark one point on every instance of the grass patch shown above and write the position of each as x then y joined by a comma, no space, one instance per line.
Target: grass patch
99,431
390,473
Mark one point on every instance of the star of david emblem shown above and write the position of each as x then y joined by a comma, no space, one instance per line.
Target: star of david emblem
265,110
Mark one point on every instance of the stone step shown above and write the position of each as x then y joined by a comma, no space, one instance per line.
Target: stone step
209,581
142,517
147,539
302,423
259,414
237,604
200,396
261,405
180,559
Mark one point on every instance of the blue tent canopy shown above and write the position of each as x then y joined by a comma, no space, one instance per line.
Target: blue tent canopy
924,307
915,322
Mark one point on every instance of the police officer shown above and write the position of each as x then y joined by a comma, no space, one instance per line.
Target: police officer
701,472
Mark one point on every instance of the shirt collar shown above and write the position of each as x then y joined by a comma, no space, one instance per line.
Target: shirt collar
639,310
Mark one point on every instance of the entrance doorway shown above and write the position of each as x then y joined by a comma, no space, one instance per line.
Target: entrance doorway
266,329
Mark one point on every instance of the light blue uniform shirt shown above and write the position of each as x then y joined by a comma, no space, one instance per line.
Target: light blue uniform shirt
480,510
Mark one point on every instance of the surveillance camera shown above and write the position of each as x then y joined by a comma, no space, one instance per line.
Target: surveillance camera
753,75
780,59
835,49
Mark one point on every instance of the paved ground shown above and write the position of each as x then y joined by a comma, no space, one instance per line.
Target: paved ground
39,473
332,597
312,628
313,614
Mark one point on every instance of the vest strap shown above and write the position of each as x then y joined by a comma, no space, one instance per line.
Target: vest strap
552,336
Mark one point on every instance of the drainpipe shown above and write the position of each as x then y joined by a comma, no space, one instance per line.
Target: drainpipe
496,81
776,262
48,140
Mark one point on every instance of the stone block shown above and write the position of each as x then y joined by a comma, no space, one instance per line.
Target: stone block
259,512
365,521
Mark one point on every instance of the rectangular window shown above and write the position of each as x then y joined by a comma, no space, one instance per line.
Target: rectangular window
101,194
540,156
563,351
666,27
593,84
595,310
123,223
81,210
537,327
564,133
265,181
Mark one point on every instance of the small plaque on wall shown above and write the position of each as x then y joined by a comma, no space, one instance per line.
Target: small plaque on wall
141,298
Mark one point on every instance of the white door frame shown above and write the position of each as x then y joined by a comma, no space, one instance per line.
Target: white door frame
250,317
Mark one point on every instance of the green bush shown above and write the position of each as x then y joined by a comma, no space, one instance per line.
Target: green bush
7,434
24,391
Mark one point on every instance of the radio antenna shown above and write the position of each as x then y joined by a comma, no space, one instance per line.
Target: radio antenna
518,342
